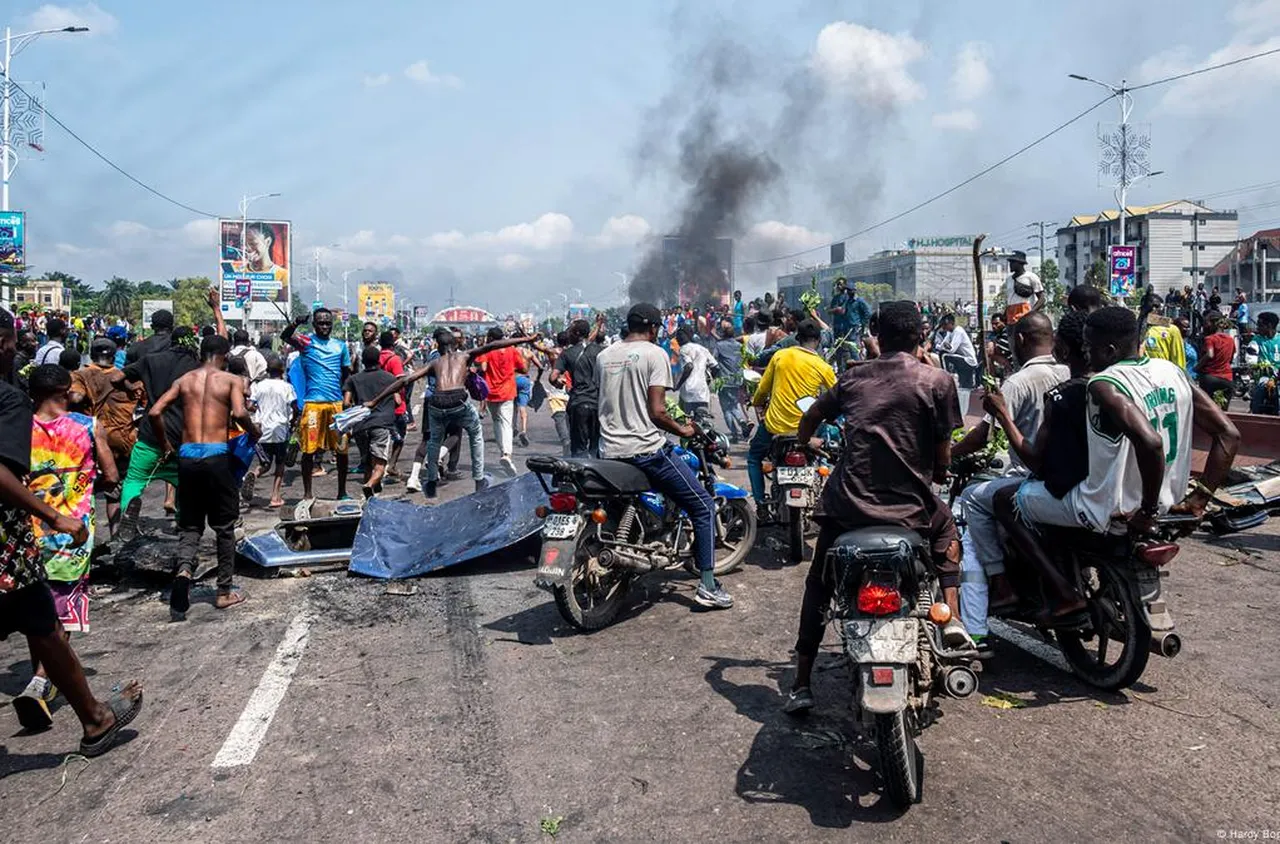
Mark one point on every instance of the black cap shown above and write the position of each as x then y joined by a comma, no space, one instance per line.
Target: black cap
644,312
1017,255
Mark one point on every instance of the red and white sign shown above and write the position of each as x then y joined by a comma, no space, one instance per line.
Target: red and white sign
463,314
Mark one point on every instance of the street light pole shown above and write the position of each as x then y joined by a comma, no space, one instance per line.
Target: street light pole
1121,92
13,44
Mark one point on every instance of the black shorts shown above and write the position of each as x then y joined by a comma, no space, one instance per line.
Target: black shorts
269,453
29,611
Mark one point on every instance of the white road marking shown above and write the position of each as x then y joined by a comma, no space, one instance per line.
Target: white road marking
247,735
1030,644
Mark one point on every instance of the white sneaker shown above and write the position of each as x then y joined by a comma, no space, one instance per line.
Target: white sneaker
508,466
414,484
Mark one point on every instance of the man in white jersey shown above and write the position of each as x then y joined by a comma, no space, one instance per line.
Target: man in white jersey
1141,411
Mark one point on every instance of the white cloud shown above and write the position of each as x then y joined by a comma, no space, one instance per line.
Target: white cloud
399,241
963,120
51,16
547,232
622,230
363,239
868,65
771,237
202,232
421,73
128,228
972,77
514,261
376,81
1221,90
1259,14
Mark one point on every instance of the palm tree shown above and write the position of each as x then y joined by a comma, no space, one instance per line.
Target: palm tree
117,298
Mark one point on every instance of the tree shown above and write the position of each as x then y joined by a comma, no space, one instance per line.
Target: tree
191,301
297,307
117,297
1097,275
874,293
1055,293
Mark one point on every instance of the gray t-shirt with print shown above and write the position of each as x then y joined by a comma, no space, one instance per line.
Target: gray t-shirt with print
624,373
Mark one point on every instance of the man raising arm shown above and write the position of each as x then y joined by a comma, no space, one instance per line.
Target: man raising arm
326,363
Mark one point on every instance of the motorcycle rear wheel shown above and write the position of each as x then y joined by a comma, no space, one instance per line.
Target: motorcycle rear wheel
901,764
737,533
1116,616
795,535
591,602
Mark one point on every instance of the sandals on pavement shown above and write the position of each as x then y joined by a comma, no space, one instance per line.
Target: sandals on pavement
125,710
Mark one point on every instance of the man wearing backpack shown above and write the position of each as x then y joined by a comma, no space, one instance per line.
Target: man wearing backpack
253,359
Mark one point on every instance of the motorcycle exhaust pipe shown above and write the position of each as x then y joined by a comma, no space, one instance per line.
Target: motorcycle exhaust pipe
960,682
1166,644
611,558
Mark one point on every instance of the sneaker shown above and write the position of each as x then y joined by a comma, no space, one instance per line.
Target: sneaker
523,438
180,598
430,491
799,701
482,484
747,430
32,706
367,492
508,466
414,485
716,599
955,636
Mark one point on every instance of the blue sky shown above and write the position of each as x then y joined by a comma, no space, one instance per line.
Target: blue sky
493,146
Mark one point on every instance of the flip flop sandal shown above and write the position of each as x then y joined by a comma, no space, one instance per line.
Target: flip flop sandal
125,711
33,713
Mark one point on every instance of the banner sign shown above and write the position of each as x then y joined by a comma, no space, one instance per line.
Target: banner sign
376,302
13,242
463,314
255,257
1124,269
150,306
421,316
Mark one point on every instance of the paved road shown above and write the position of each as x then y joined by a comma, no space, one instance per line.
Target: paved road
470,712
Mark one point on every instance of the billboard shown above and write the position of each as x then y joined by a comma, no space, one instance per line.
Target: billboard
1124,269
13,242
463,314
254,259
421,316
376,302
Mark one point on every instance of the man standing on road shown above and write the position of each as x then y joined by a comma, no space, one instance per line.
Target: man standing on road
208,491
1263,353
500,368
728,352
694,387
326,363
954,345
56,329
389,360
793,373
1023,291
739,312
633,378
254,361
898,418
579,362
983,569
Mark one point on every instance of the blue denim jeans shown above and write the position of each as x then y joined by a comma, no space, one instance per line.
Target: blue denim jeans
761,445
676,479
1264,401
464,416
734,419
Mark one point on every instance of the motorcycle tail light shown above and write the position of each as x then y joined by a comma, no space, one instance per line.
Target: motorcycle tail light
541,511
879,598
767,466
882,676
795,458
563,502
1158,553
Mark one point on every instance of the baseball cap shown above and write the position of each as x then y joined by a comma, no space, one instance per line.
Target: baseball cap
645,313
118,332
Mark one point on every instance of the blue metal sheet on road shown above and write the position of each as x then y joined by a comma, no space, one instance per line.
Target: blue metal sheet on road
397,539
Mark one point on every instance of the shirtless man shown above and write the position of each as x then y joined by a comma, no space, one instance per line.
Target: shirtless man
207,491
448,404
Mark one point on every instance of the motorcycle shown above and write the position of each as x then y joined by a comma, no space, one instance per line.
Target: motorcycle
604,527
890,613
1119,578
796,474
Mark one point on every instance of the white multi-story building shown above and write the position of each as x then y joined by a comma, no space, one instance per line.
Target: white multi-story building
1178,242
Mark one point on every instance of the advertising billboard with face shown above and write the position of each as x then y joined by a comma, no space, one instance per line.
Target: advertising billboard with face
254,259
13,242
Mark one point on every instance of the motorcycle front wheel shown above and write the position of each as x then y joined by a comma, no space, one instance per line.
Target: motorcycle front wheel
901,764
795,535
1116,653
736,533
596,594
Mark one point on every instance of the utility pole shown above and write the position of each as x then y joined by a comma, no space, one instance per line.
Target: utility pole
1040,224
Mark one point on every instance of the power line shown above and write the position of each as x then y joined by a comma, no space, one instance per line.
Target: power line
115,166
1175,78
944,193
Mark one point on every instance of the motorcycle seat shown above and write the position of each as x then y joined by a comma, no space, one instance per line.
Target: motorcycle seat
601,477
880,540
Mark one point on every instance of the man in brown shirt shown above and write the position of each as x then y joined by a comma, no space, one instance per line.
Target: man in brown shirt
898,417
94,392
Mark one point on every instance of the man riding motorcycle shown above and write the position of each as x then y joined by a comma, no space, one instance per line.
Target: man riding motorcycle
899,415
793,373
983,566
1140,415
633,377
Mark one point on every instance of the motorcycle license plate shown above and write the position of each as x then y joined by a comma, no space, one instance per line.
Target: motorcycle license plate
561,526
882,639
795,474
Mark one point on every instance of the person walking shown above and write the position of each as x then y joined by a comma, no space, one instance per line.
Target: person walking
500,368
326,363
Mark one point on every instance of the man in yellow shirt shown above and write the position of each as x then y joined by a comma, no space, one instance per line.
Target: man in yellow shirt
793,373
1164,341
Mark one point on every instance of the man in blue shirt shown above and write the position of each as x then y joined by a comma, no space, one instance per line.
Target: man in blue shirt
1264,353
739,312
326,363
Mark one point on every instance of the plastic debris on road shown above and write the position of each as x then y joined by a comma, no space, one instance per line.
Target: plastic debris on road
1001,700
397,539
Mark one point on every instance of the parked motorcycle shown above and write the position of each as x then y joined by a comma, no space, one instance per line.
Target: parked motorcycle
604,527
796,475
1125,620
889,609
